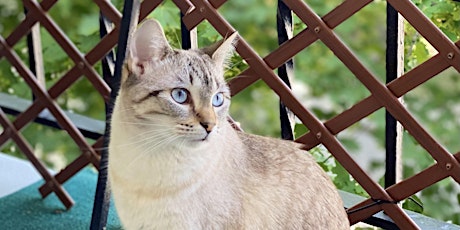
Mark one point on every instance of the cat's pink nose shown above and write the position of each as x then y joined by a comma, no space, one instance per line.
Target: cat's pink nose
208,126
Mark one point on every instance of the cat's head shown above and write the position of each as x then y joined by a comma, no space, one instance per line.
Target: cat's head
181,94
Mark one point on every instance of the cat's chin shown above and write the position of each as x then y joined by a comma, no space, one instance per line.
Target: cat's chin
198,142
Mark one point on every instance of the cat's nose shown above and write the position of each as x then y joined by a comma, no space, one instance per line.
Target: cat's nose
208,126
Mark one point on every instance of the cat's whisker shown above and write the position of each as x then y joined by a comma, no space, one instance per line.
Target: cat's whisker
145,124
147,135
165,141
147,151
182,144
141,151
155,132
156,137
157,140
137,141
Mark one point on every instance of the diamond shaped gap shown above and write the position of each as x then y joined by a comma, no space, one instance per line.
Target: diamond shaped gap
263,20
81,98
435,105
417,49
363,140
262,116
346,182
364,34
57,152
12,83
443,192
324,78
84,35
56,60
321,8
167,15
440,12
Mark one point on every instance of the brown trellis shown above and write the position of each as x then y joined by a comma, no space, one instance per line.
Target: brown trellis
382,96
195,11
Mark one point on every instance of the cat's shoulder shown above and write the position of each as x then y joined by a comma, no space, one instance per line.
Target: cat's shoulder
263,142
269,150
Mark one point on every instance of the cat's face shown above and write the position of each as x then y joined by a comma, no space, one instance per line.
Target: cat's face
176,95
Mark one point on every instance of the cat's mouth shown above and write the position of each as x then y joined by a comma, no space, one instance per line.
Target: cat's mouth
205,138
202,138
198,141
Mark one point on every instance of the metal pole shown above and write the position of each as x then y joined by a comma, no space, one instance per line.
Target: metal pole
394,69
286,71
34,48
189,37
102,196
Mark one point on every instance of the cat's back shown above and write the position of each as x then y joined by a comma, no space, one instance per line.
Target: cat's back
276,157
280,171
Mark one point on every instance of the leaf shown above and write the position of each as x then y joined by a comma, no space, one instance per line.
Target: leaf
350,143
342,179
88,42
51,50
88,25
414,204
420,52
299,130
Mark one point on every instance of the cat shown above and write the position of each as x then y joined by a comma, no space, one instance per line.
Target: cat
175,162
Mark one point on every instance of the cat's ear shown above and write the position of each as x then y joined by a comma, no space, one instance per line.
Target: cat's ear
220,51
148,43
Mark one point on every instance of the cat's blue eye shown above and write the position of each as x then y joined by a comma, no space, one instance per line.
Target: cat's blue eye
180,95
218,100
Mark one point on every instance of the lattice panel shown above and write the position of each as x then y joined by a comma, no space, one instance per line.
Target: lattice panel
381,95
45,98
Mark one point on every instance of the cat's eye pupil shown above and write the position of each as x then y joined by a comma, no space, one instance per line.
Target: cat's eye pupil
218,100
180,95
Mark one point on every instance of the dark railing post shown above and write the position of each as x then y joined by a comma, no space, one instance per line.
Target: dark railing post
189,37
34,49
285,32
394,68
102,196
108,62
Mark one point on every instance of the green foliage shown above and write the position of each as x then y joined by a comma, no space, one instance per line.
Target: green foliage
414,204
434,105
327,87
445,15
345,182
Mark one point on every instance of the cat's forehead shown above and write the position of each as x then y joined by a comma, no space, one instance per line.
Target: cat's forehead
188,59
181,69
195,68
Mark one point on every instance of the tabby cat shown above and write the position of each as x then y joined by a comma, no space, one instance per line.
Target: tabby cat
176,162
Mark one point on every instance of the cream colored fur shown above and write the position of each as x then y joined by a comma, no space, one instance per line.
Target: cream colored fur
180,165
